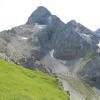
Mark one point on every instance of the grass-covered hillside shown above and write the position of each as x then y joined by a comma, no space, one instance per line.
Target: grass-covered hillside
18,83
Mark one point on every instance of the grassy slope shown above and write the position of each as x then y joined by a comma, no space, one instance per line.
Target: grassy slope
18,83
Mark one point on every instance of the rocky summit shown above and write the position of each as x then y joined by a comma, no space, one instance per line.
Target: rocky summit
46,43
40,16
75,41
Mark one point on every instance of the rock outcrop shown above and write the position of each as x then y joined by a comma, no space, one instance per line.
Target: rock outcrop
74,42
39,16
97,32
91,71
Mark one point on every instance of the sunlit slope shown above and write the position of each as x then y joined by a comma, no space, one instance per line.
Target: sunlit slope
18,83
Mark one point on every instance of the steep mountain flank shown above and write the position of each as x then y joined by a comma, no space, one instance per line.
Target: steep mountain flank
75,41
91,71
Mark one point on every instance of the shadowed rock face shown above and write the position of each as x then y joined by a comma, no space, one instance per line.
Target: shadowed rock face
40,16
91,71
74,42
97,32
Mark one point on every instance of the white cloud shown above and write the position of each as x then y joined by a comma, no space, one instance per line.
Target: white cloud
16,12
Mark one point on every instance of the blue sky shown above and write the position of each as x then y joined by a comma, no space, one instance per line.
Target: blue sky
16,12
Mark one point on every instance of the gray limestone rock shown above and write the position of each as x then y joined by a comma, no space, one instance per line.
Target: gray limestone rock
91,71
39,16
74,41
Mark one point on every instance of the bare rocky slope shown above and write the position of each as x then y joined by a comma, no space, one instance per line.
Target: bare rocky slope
68,51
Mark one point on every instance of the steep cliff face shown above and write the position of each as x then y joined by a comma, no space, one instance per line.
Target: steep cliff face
21,44
75,41
39,16
97,32
91,71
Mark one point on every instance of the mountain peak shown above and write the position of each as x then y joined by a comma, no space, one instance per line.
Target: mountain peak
42,8
40,16
72,22
75,26
97,31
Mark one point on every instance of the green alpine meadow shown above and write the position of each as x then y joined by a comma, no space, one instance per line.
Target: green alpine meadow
18,83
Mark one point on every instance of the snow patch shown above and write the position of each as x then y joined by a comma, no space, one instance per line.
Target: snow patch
40,26
85,35
98,44
51,53
63,61
24,38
